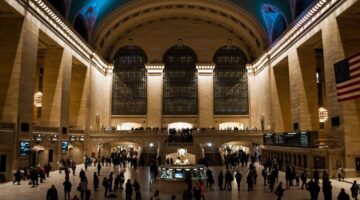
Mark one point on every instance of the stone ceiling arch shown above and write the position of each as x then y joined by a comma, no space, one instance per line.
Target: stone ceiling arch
232,18
122,39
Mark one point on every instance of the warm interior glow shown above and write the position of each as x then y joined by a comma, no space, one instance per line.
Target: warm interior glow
179,125
231,126
127,126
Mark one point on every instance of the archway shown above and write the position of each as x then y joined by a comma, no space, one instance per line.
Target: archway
180,125
127,126
231,126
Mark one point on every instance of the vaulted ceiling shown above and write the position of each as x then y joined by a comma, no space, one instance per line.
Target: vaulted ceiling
263,20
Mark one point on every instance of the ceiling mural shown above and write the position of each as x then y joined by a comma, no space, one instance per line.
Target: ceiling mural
273,15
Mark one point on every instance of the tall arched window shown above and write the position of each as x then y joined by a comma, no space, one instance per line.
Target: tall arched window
129,82
180,82
230,82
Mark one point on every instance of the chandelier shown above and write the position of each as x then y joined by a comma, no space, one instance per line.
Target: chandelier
323,115
38,99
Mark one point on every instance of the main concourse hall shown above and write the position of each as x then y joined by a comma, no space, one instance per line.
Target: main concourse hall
179,99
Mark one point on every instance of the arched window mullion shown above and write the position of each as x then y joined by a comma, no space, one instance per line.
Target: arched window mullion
180,82
129,82
230,86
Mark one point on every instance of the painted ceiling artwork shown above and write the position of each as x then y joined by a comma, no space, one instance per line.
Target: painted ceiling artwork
274,15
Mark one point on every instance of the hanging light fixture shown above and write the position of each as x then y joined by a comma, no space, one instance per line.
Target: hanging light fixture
38,99
323,115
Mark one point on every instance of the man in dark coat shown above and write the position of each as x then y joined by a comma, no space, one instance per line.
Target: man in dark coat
52,193
128,190
327,189
220,180
314,189
343,195
67,188
238,177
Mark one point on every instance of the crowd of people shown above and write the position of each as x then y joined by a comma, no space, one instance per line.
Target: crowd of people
115,181
183,135
33,174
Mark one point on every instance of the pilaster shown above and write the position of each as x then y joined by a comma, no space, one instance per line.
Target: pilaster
206,95
154,94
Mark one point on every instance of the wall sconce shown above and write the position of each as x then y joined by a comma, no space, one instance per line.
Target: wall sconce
73,138
323,115
54,138
82,139
38,139
38,99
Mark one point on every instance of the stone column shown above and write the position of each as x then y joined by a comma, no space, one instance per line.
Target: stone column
18,55
154,94
346,134
79,96
302,76
56,87
206,95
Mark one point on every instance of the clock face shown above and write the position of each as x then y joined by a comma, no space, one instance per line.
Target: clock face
181,152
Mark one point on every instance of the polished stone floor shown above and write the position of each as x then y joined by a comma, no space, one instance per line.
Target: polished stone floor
8,191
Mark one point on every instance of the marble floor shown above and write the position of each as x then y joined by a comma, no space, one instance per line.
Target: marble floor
8,191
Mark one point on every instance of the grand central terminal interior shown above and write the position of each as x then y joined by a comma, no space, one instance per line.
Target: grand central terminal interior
173,93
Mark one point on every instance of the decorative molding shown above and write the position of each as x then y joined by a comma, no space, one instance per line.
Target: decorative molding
41,11
155,69
310,20
205,69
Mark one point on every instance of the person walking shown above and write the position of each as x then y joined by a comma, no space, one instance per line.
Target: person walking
197,192
228,180
250,181
67,188
52,193
105,184
238,178
264,175
316,176
110,179
220,180
209,179
327,189
314,190
156,195
98,168
303,178
73,167
354,190
271,178
82,174
83,188
279,192
136,186
340,174
343,195
128,190
17,177
96,181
